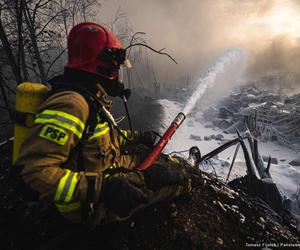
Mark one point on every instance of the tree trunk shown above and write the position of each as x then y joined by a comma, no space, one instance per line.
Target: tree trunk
31,27
10,56
21,53
5,99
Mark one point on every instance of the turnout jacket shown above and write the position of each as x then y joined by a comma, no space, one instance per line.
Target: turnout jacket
49,160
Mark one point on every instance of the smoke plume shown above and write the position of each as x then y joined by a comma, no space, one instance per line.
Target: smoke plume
197,32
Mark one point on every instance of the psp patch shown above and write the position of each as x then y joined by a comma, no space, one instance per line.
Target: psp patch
55,134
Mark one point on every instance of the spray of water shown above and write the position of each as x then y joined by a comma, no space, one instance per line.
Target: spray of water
230,57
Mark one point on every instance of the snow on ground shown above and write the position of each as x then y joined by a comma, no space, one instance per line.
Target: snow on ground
284,175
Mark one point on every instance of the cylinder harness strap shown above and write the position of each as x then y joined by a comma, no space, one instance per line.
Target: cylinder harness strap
25,119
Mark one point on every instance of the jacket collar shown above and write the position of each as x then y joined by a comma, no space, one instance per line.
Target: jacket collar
84,81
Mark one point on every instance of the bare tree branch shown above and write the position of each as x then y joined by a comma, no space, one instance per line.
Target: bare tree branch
134,38
34,70
157,51
9,53
21,53
2,89
54,61
6,85
31,27
47,23
30,33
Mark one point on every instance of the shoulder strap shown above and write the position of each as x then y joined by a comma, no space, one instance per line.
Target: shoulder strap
92,118
90,125
89,98
91,122
89,129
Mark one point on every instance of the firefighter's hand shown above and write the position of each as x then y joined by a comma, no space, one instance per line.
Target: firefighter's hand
142,155
148,138
123,192
160,176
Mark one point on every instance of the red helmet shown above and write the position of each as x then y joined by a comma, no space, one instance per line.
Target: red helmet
94,49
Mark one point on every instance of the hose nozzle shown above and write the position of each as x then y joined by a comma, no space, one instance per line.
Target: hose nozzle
179,119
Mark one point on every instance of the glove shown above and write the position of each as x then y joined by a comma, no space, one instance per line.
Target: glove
122,192
148,138
142,154
160,176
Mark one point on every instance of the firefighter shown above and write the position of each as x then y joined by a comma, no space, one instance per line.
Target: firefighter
74,157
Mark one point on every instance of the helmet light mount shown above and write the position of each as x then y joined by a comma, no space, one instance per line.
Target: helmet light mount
115,56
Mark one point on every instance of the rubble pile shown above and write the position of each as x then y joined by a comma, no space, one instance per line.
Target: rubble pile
274,117
213,216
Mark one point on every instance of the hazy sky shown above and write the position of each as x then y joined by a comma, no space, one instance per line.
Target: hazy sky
196,32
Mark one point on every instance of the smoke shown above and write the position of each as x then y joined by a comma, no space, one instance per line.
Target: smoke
197,32
281,57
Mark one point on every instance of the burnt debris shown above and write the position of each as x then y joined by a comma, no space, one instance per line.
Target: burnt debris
273,116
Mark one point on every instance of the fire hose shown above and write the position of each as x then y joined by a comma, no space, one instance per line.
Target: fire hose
158,148
176,123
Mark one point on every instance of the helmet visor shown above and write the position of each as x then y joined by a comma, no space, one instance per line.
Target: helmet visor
115,56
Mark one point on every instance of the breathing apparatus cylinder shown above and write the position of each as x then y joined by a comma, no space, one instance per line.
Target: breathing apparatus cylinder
29,97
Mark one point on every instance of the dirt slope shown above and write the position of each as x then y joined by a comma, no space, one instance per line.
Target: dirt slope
212,216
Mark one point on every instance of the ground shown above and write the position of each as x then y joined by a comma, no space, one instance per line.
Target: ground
212,216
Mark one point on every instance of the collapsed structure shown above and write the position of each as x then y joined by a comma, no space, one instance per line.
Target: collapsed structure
273,117
280,122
